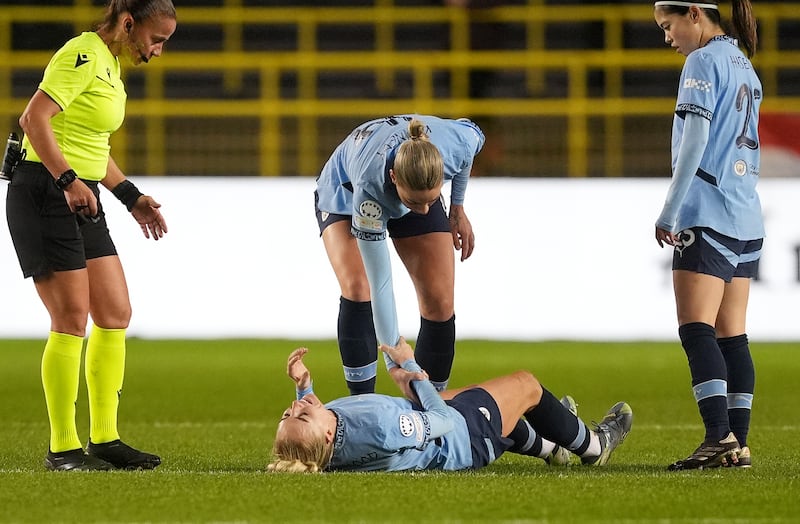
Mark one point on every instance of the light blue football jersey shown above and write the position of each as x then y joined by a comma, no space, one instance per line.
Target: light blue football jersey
355,179
382,433
719,83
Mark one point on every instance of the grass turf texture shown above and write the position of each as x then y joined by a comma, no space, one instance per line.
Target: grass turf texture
210,408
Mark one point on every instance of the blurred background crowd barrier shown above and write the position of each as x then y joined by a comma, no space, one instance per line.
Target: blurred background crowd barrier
246,87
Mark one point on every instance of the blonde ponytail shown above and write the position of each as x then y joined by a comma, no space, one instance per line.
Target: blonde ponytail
418,164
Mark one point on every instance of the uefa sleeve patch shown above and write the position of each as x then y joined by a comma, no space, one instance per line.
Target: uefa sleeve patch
406,426
370,209
413,425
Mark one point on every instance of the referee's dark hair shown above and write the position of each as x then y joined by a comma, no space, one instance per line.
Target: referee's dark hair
139,9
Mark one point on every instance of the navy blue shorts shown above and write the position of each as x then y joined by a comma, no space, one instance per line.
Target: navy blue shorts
409,225
484,423
47,236
703,250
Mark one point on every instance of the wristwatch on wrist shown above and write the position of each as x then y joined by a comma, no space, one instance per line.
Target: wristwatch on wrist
66,178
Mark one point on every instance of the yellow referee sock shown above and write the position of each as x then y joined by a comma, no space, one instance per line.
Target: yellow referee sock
105,370
61,370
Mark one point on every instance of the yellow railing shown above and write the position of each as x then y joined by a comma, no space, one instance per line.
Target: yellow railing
306,109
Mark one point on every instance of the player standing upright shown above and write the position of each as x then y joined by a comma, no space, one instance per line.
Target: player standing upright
712,217
60,233
387,175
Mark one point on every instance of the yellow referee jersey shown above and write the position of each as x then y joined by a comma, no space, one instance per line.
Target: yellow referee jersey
83,78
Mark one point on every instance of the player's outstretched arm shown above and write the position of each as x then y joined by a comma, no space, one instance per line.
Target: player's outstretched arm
439,417
403,378
299,373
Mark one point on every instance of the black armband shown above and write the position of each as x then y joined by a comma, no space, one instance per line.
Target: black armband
127,193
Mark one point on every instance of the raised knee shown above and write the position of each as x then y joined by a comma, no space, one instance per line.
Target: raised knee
529,385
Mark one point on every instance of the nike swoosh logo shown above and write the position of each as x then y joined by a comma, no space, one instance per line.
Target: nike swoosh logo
103,80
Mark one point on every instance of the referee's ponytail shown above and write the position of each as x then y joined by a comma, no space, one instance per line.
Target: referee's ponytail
140,10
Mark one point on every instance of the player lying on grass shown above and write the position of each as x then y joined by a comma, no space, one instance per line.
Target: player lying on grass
458,429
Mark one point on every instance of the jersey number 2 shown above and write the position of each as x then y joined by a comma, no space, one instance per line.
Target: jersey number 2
745,96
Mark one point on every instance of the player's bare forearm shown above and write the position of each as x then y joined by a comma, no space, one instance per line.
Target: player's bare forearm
461,229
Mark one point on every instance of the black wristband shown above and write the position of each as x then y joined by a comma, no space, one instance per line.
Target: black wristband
66,178
127,193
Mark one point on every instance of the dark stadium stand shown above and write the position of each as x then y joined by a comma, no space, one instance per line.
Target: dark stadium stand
573,88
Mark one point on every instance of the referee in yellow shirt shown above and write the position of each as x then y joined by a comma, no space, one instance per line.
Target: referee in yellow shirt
59,229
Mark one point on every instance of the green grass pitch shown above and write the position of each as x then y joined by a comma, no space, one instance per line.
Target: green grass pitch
210,408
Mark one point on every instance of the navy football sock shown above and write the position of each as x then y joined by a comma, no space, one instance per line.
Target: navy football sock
358,346
741,383
709,377
526,440
435,349
557,424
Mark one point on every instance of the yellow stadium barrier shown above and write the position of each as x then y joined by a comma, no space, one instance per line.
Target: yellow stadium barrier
280,134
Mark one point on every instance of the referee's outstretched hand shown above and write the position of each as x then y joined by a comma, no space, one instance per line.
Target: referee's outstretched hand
149,218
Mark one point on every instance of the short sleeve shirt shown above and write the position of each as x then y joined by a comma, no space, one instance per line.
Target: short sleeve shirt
83,78
355,181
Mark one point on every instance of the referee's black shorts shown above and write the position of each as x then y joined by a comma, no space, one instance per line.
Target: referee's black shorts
47,236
